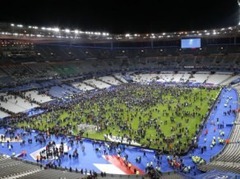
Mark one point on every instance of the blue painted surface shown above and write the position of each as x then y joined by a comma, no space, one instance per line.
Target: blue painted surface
87,159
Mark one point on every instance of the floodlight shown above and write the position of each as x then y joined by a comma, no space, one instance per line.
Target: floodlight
56,29
67,30
105,34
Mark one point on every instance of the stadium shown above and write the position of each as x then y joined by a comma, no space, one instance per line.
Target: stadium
82,104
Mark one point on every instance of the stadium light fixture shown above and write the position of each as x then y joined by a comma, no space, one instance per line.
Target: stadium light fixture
105,34
238,2
55,29
67,30
97,33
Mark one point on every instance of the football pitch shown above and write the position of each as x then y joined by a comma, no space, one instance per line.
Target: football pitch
154,116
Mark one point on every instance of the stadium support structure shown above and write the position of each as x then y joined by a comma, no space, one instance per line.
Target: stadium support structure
238,1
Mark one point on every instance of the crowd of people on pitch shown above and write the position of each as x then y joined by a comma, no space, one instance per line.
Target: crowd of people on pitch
119,107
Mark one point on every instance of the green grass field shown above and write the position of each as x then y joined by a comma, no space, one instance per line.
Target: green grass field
156,117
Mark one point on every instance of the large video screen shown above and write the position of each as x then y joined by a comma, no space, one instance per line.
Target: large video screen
191,43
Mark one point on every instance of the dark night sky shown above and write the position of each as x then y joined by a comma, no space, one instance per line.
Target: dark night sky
115,16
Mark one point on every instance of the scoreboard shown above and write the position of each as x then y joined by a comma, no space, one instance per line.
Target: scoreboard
190,43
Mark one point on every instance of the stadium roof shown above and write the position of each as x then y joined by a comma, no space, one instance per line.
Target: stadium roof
152,16
45,34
